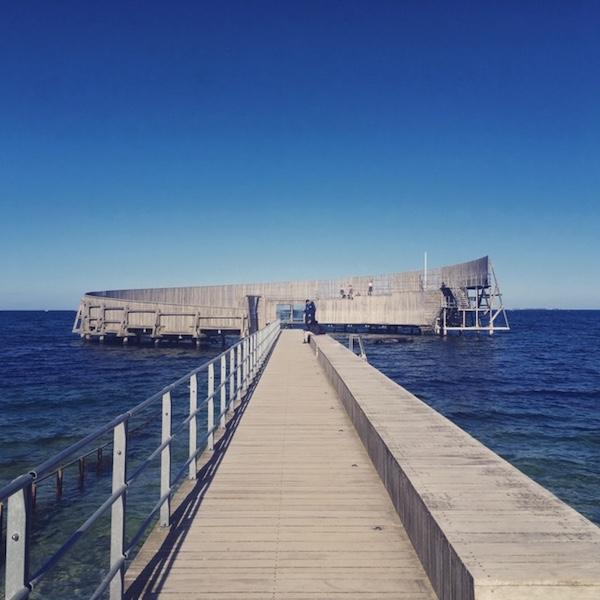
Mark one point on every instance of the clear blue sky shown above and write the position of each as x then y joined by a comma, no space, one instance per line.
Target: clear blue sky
179,143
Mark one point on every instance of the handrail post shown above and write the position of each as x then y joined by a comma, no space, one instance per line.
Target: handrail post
257,361
244,363
238,374
250,339
261,349
258,346
193,430
223,382
165,461
118,510
211,407
257,351
17,542
231,378
254,354
249,359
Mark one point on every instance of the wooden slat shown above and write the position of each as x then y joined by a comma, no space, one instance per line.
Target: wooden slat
296,509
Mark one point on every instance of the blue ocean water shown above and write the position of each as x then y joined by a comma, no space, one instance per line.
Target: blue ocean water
532,395
54,389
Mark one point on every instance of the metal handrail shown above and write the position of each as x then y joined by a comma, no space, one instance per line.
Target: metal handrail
51,464
361,347
239,365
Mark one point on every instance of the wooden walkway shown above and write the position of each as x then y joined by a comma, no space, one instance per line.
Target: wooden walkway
296,510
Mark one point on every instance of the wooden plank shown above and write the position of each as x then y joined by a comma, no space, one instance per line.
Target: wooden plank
296,509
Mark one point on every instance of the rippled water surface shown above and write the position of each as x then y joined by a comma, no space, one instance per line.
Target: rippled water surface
532,395
54,389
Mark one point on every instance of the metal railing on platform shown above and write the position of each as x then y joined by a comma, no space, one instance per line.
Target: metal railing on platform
353,337
238,367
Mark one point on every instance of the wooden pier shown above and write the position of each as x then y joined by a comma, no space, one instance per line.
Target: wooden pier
296,509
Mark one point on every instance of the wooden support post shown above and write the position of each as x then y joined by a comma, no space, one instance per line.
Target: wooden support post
60,476
100,328
125,323
197,329
156,328
34,489
81,466
85,320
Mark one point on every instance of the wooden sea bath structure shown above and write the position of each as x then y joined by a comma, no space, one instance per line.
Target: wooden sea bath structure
457,298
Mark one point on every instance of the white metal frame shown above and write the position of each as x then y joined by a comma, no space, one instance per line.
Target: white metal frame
481,308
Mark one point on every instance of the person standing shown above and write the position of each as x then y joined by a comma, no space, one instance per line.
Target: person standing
350,292
370,291
310,311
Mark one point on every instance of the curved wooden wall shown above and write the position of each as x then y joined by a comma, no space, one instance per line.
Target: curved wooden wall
407,298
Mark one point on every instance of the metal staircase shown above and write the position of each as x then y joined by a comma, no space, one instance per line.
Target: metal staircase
472,308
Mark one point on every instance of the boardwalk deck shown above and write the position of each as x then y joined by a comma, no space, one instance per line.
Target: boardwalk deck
296,509
482,529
